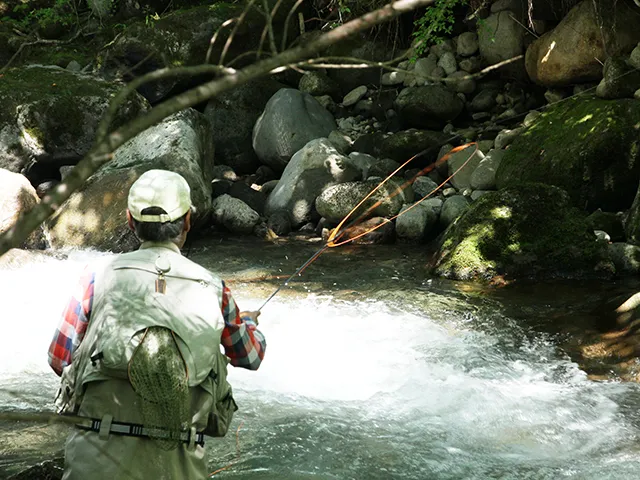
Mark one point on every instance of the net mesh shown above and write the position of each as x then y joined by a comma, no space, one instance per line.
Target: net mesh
158,375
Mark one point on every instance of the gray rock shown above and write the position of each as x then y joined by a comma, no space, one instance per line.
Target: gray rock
74,66
423,186
354,96
462,164
340,141
636,95
471,64
505,137
634,58
235,215
94,217
223,172
393,78
337,201
232,116
625,257
467,44
448,63
382,168
318,83
434,203
484,176
279,223
483,101
461,82
290,120
430,106
449,192
531,118
554,95
18,196
314,168
500,37
452,208
476,194
363,162
424,68
414,222
572,52
619,80
443,47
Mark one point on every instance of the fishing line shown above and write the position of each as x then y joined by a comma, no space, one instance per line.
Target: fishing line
339,231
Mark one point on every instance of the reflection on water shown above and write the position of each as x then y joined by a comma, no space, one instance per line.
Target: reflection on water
373,370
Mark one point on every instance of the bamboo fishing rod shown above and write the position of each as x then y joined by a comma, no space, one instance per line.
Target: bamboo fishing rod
341,230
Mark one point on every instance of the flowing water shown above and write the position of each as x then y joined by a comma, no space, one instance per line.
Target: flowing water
373,371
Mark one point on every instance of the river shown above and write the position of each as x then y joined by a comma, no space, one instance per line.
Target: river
373,370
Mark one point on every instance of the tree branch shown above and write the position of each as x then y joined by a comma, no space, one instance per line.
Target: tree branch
104,149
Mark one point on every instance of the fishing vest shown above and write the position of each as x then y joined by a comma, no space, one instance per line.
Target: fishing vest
125,304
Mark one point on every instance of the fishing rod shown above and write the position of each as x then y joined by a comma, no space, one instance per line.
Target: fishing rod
339,231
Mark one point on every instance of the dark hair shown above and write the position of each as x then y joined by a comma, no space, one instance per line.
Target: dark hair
158,231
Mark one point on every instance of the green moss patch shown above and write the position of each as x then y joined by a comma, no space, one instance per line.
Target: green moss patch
587,146
528,231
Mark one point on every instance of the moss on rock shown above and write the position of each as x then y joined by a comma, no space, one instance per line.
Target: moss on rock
528,231
588,146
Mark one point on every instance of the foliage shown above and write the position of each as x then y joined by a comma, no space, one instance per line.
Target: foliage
435,24
59,13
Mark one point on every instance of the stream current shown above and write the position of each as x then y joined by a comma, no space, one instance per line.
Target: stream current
373,370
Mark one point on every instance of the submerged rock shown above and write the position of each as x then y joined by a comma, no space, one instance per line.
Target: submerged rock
527,231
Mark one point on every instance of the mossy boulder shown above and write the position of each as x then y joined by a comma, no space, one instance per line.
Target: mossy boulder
588,146
528,231
183,38
49,117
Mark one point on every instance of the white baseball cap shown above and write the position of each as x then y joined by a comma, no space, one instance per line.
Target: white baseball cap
163,189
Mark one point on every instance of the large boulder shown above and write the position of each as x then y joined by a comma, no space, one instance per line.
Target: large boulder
18,196
336,202
573,51
528,231
501,37
314,168
232,116
429,106
588,146
49,117
183,38
95,215
290,120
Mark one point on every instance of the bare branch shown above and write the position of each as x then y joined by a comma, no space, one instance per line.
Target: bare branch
103,128
39,41
104,149
232,35
285,32
215,37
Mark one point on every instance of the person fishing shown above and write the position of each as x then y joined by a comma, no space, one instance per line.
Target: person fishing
138,349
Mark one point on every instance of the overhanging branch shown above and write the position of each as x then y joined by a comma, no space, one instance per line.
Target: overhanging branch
104,149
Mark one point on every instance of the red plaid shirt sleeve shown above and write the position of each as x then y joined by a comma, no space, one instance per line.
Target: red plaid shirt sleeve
243,343
73,325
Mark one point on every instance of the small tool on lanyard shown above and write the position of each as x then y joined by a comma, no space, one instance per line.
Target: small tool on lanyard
162,267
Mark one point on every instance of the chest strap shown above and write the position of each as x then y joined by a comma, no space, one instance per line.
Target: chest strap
137,430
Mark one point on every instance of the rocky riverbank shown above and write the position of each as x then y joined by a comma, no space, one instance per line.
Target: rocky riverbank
545,187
